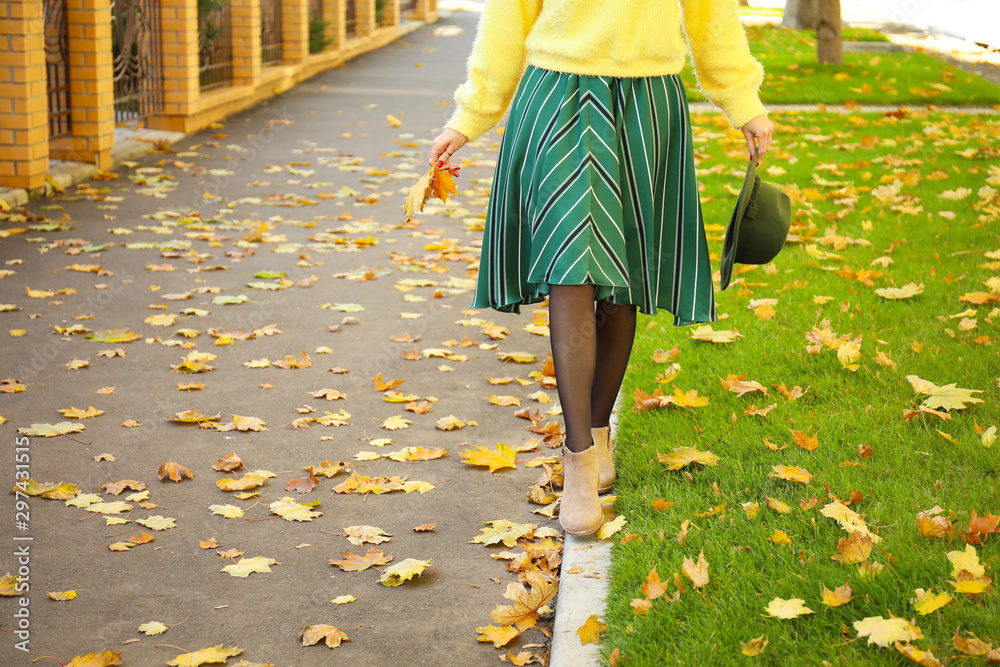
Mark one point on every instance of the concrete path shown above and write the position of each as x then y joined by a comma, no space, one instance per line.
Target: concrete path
309,163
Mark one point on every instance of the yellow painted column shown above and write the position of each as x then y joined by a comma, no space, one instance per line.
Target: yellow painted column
426,10
365,20
294,30
390,13
181,76
246,42
336,30
24,122
91,85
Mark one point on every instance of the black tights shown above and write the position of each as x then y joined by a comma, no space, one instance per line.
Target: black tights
590,349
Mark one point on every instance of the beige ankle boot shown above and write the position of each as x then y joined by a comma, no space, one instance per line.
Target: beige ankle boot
580,511
605,457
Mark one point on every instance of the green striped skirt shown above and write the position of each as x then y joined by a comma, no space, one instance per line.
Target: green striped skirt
595,184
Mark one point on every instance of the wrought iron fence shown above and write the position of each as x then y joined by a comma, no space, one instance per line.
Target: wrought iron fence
270,32
215,43
318,24
138,71
351,19
406,6
57,67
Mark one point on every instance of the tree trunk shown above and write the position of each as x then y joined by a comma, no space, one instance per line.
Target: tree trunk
801,14
829,46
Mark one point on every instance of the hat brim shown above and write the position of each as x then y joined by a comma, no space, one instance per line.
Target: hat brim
731,241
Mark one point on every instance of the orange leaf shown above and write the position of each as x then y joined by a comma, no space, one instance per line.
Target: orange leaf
175,470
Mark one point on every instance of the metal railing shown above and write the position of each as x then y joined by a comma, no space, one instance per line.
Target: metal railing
138,71
215,43
57,68
406,6
351,18
270,32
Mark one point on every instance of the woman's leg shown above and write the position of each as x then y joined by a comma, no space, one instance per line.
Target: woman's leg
573,336
615,335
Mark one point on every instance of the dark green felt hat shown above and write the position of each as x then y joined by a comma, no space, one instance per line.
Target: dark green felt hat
759,224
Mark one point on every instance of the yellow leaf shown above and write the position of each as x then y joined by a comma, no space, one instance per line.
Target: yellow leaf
502,457
228,511
792,473
291,510
590,632
527,601
705,333
394,575
152,628
966,560
780,537
806,442
925,658
609,528
778,505
931,525
77,413
972,646
504,531
247,566
503,400
682,456
754,647
927,602
905,292
396,423
792,608
848,519
393,121
103,659
328,634
696,572
853,549
62,596
973,586
213,655
343,599
883,631
358,535
499,635
835,598
949,397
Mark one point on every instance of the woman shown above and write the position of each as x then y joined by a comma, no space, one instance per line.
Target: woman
594,202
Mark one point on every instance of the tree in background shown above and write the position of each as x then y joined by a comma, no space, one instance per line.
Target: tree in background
823,16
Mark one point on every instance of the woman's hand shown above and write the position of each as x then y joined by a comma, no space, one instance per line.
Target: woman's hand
446,144
758,131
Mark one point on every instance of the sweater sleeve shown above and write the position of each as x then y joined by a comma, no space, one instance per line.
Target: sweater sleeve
495,65
727,72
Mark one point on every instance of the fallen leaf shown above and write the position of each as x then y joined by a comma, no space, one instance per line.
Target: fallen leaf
328,634
590,632
884,631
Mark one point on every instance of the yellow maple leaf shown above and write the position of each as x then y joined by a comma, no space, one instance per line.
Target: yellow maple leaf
499,635
62,596
848,519
403,571
228,511
590,632
247,566
905,292
754,647
780,538
925,658
523,614
792,473
705,333
927,602
328,634
504,531
791,608
949,397
609,528
396,423
931,525
503,400
103,659
152,628
696,572
358,535
77,413
883,631
777,505
682,456
291,510
841,595
853,549
502,457
966,560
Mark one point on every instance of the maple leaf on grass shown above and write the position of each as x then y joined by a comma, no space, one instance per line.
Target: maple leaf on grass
105,658
403,571
835,598
848,519
354,563
175,471
502,457
218,654
927,602
247,566
682,456
972,645
931,525
792,608
328,634
696,572
884,631
792,473
948,397
967,560
499,635
754,647
925,658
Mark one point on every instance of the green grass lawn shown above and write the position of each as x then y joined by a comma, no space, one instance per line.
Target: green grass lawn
864,187
792,75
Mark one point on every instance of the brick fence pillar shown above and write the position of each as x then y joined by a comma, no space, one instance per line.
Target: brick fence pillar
24,123
294,30
181,71
91,84
426,10
336,29
364,21
246,42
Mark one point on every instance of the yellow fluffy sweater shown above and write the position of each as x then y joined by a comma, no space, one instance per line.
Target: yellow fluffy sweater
617,38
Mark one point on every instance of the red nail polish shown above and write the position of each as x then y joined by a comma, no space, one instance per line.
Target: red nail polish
440,163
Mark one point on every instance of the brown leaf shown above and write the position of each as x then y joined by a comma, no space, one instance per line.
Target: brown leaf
354,563
303,484
228,463
115,488
175,471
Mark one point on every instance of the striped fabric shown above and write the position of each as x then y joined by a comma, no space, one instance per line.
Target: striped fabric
595,184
